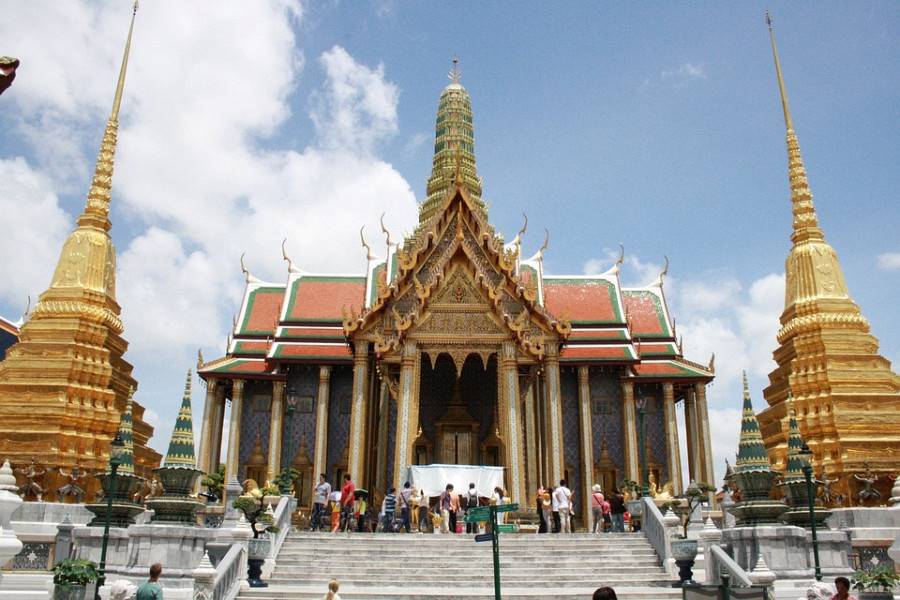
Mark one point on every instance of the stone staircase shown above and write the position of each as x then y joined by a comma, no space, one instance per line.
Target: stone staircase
432,567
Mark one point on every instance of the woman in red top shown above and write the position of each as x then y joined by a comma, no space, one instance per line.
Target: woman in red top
597,501
347,502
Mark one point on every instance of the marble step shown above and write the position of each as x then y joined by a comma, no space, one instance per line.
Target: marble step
452,578
350,592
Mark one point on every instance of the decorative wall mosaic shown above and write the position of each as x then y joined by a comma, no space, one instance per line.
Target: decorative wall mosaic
609,423
338,422
391,439
655,427
33,557
305,383
571,439
254,422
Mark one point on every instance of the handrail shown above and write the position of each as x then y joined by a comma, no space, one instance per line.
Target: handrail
655,528
229,573
721,560
282,520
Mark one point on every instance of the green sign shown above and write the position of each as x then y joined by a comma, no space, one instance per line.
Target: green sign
511,528
470,518
507,508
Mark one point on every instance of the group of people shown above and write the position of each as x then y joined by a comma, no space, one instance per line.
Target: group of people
554,509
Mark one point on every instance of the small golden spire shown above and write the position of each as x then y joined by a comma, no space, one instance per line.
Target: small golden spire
455,74
805,221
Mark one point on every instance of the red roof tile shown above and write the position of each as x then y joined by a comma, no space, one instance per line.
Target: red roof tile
261,310
645,313
240,366
321,297
668,368
583,301
312,333
256,347
596,353
318,352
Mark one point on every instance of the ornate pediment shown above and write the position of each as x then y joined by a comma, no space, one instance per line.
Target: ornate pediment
458,289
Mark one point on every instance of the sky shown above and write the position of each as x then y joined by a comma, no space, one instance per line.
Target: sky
655,125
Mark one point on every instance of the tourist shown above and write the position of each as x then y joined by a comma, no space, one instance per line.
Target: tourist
497,499
617,511
405,506
320,499
605,593
335,511
444,503
563,497
842,585
546,508
554,505
150,589
471,501
347,497
454,511
332,594
607,520
424,508
388,506
542,522
597,501
360,508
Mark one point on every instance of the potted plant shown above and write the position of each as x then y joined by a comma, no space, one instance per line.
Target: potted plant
261,520
271,494
875,584
684,551
285,480
214,483
70,578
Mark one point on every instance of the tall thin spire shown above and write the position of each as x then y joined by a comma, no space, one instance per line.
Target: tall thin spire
181,447
795,460
126,434
96,210
751,450
805,221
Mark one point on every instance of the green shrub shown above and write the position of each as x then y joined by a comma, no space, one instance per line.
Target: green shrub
72,572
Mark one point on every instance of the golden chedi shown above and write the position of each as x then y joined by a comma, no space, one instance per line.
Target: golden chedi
65,383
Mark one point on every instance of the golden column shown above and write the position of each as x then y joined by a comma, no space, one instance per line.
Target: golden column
358,412
631,453
407,410
320,451
587,443
232,461
276,422
531,441
515,455
206,432
556,459
381,457
673,447
215,448
692,435
706,460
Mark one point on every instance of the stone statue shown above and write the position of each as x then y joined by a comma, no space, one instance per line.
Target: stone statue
71,488
31,472
868,491
250,485
829,498
819,591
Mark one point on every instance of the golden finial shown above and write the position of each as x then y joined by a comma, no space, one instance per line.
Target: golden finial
386,233
120,86
455,74
788,122
199,358
621,260
369,256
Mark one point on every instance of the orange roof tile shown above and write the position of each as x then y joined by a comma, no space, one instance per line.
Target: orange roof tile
321,297
645,313
261,309
596,353
667,369
316,352
583,300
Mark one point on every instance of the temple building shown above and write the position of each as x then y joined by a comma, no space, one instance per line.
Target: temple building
9,335
64,384
847,398
453,348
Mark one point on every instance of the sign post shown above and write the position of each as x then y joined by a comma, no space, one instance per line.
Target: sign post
489,513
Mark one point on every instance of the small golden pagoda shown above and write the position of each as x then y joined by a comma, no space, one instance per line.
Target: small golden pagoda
847,398
65,383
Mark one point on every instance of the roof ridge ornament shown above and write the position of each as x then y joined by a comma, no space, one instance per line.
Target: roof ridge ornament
386,233
248,276
539,255
292,268
454,75
369,256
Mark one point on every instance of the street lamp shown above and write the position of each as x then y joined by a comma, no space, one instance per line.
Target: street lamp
645,483
807,469
116,453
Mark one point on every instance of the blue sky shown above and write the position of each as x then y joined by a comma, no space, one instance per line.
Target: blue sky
655,125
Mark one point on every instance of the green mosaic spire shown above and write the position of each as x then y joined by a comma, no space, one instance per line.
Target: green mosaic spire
126,433
181,448
454,148
751,450
795,460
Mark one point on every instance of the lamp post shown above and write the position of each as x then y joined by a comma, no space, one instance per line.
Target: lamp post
292,400
645,484
116,449
806,453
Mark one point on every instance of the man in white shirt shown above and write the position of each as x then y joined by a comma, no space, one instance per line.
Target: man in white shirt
320,499
563,498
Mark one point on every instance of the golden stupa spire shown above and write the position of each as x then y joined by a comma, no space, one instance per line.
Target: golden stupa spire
806,223
96,210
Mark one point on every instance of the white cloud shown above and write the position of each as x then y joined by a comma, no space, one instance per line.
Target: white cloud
683,74
889,261
32,235
634,271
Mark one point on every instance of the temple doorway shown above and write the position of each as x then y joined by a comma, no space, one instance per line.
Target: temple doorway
458,411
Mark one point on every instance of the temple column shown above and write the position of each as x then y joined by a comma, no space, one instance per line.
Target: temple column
587,443
358,412
215,450
407,410
691,435
531,441
276,420
320,449
381,457
515,455
234,431
706,461
553,407
673,448
631,453
206,434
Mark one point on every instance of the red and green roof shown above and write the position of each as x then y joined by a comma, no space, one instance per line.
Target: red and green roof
259,314
583,300
250,347
646,314
669,369
239,366
580,335
588,353
321,298
308,351
312,333
658,350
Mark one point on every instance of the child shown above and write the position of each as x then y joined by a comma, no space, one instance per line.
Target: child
335,510
333,586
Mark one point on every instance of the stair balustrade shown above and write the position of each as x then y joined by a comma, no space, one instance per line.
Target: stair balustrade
654,527
721,561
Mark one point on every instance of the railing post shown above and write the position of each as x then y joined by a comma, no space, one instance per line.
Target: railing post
204,578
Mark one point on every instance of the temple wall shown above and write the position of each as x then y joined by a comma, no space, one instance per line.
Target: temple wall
571,443
655,427
340,393
391,440
608,423
304,381
255,419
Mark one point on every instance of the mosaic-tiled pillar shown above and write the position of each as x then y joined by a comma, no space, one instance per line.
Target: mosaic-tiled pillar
631,453
276,418
206,433
234,431
407,410
553,407
531,441
358,412
706,471
673,449
381,449
587,442
215,448
691,435
515,459
320,449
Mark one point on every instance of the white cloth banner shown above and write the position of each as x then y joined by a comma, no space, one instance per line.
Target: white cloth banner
433,479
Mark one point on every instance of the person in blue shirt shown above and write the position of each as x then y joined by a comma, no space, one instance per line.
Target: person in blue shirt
388,507
151,590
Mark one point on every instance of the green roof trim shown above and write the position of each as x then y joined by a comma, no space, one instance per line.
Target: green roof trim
248,312
379,269
181,446
241,348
